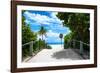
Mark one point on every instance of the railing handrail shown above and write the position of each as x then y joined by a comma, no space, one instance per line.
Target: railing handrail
28,43
82,42
81,47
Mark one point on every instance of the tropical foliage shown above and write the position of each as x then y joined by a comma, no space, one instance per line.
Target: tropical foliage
27,36
78,23
42,32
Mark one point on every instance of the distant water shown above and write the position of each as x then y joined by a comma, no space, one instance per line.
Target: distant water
55,43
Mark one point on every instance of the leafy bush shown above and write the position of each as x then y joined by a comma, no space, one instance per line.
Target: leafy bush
27,36
25,51
48,47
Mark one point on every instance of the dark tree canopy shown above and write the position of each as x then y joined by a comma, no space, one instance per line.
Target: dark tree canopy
78,23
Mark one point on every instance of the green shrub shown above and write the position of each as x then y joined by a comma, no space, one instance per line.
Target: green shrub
48,47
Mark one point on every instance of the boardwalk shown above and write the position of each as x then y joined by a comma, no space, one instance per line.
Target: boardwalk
55,54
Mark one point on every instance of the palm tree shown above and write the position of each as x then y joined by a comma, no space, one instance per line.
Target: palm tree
42,32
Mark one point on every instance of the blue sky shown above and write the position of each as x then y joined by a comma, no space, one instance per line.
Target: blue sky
49,21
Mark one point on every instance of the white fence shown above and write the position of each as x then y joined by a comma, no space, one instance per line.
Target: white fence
31,47
80,46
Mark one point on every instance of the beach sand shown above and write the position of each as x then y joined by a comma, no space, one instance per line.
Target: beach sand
57,47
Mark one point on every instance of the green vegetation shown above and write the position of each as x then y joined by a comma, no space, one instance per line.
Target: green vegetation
48,46
42,31
67,40
28,35
78,23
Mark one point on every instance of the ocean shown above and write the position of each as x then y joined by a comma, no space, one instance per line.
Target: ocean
55,43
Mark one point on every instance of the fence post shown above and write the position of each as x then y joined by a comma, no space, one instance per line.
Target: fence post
31,48
81,47
70,44
73,43
39,45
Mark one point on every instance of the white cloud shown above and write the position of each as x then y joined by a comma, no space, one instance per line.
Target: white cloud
53,14
43,19
27,21
55,27
37,17
50,33
55,35
51,37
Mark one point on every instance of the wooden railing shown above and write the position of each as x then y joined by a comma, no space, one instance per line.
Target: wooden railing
81,45
74,42
30,47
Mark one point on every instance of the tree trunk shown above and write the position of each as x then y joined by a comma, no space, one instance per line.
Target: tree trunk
42,37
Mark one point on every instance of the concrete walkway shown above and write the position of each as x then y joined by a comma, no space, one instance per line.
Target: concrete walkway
55,54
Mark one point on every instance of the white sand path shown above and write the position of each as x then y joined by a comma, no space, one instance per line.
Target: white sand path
57,53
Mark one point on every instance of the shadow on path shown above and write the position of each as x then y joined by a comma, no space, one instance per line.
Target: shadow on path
67,54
